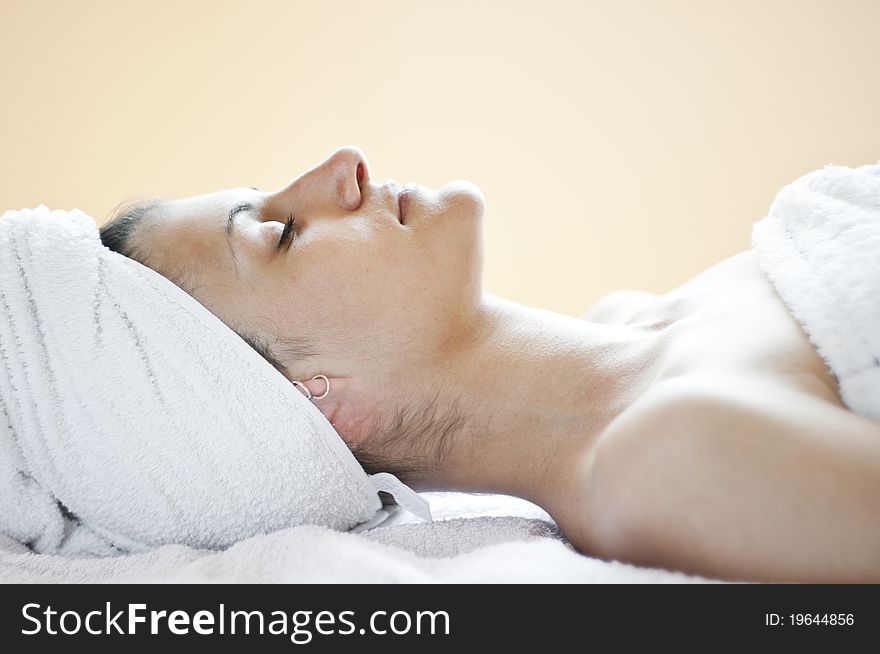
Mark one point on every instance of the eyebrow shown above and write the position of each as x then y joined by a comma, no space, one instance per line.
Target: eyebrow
237,209
230,224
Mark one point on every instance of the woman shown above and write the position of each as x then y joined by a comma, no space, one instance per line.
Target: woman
697,430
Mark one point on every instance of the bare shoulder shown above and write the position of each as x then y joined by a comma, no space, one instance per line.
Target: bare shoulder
621,305
718,459
700,417
716,405
618,307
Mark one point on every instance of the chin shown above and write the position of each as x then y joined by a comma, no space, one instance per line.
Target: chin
463,196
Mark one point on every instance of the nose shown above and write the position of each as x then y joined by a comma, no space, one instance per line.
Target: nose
332,186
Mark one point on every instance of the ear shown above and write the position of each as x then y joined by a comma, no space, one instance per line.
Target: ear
352,411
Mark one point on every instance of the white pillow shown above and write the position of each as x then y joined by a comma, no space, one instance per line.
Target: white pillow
133,417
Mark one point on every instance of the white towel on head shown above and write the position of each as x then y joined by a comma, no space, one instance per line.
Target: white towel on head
820,246
131,416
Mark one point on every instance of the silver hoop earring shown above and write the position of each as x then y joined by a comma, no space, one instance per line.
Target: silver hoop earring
304,387
326,391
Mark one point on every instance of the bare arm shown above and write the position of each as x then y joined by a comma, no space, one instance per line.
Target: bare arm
739,478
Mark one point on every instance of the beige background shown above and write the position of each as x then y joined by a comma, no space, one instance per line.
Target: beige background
619,144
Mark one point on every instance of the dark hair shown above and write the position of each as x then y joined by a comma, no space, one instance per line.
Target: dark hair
422,429
117,231
426,432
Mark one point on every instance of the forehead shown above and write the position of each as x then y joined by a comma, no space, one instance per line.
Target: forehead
208,209
190,232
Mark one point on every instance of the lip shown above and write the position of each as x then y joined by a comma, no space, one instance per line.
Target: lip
402,202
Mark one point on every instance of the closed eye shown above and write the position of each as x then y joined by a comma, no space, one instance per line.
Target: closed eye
287,233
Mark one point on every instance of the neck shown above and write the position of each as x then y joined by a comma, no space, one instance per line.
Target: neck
537,389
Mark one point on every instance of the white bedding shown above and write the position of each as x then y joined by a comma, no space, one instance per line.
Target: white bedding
474,538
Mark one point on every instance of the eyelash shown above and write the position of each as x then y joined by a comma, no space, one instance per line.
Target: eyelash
287,233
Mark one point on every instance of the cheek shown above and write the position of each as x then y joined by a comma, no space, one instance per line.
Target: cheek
389,299
342,292
363,303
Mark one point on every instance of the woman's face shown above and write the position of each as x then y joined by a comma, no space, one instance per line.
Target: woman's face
377,295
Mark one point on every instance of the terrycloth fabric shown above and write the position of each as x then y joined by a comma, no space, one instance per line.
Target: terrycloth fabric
820,247
485,539
132,417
